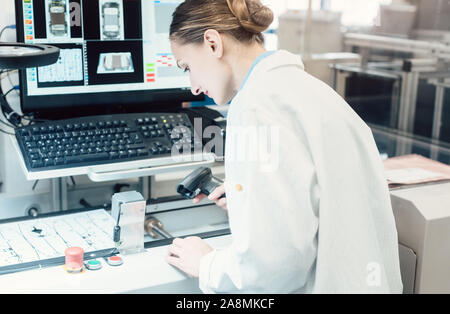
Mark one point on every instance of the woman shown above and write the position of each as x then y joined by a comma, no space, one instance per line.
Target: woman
318,219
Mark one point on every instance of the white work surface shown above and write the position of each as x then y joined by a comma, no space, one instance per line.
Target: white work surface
146,272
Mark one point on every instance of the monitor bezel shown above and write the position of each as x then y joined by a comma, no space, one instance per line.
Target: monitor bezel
102,102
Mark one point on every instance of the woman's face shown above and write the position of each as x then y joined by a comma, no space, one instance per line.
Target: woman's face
208,72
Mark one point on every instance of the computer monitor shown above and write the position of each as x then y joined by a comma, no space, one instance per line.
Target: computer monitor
113,53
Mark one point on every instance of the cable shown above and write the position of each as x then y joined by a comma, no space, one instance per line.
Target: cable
7,124
10,115
16,87
6,94
5,132
34,119
34,185
12,26
8,75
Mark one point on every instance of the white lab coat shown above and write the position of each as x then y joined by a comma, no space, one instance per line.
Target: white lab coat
320,220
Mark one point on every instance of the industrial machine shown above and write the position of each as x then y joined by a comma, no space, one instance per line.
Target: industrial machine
404,88
403,76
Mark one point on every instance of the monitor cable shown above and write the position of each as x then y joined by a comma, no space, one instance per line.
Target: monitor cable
10,115
12,26
14,119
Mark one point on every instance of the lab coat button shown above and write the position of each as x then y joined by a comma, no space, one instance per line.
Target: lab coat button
238,187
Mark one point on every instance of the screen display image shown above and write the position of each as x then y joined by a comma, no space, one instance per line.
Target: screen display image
110,51
58,18
111,14
115,63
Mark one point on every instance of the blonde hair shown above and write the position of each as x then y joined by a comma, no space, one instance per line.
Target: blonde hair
245,20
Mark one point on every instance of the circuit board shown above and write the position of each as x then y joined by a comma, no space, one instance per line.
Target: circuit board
41,239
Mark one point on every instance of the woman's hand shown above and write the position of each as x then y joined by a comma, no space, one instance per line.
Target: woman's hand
186,254
214,196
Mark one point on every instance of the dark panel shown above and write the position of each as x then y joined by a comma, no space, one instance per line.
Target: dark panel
132,19
40,29
91,20
371,98
445,126
423,119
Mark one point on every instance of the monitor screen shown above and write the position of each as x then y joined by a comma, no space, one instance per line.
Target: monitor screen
111,52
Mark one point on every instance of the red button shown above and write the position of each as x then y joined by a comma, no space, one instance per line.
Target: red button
114,261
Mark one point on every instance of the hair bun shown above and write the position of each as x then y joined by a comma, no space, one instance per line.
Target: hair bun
252,15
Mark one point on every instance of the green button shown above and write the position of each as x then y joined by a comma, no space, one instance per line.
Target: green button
93,264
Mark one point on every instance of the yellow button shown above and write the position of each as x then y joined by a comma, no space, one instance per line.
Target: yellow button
238,187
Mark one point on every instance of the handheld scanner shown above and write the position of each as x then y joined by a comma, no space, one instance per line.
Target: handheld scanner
199,181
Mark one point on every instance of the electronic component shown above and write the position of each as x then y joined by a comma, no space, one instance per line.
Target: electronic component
199,181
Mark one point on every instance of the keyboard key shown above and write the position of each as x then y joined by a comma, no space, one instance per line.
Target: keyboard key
87,158
36,163
154,151
49,162
132,153
59,160
142,152
123,154
135,146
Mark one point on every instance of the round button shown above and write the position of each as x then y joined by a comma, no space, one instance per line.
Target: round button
93,264
115,260
238,187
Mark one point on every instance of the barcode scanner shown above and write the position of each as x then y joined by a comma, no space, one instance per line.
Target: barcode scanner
199,181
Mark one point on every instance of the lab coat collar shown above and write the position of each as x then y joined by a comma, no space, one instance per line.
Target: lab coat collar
257,60
271,60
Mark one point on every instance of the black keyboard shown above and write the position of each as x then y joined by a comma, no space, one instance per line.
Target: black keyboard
104,139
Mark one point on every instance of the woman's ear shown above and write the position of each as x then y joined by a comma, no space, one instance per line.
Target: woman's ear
214,43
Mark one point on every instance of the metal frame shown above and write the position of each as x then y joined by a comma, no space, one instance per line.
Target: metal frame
408,98
427,48
409,72
438,107
59,193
